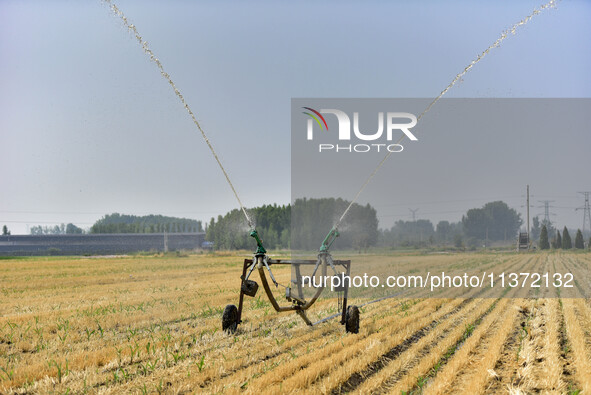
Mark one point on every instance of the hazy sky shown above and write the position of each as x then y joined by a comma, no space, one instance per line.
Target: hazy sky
88,126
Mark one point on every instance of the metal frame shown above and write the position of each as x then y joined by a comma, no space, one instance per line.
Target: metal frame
261,262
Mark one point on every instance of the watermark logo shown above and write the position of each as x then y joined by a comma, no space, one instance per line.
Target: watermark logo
394,122
314,118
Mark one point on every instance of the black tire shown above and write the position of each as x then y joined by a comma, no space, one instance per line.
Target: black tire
230,319
352,319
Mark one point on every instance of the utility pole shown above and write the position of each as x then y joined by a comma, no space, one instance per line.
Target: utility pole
586,210
528,238
414,220
414,212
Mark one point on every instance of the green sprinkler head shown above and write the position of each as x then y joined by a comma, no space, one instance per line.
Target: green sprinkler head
329,239
260,249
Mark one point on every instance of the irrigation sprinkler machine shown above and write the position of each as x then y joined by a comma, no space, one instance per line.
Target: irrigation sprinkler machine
232,315
349,314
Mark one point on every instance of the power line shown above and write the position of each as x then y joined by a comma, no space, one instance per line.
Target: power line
424,213
557,197
450,201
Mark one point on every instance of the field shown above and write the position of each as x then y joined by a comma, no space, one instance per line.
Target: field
151,324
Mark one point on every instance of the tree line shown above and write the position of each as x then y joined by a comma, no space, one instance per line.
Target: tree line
422,233
494,222
122,223
301,225
230,231
561,242
304,224
62,229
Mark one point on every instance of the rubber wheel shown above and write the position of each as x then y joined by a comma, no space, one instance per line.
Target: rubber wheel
352,319
230,319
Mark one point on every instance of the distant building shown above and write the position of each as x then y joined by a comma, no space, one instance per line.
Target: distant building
98,244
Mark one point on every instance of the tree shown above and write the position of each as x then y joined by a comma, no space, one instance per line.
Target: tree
543,244
557,241
73,229
566,241
311,219
305,223
458,242
494,221
443,231
5,231
551,229
579,243
48,230
413,233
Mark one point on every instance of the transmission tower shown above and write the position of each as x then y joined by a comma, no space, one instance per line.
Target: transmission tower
547,212
414,212
586,210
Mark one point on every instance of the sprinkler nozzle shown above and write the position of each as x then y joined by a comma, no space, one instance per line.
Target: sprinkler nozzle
260,248
329,239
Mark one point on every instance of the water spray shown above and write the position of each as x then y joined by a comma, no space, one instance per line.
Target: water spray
349,314
496,44
146,48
